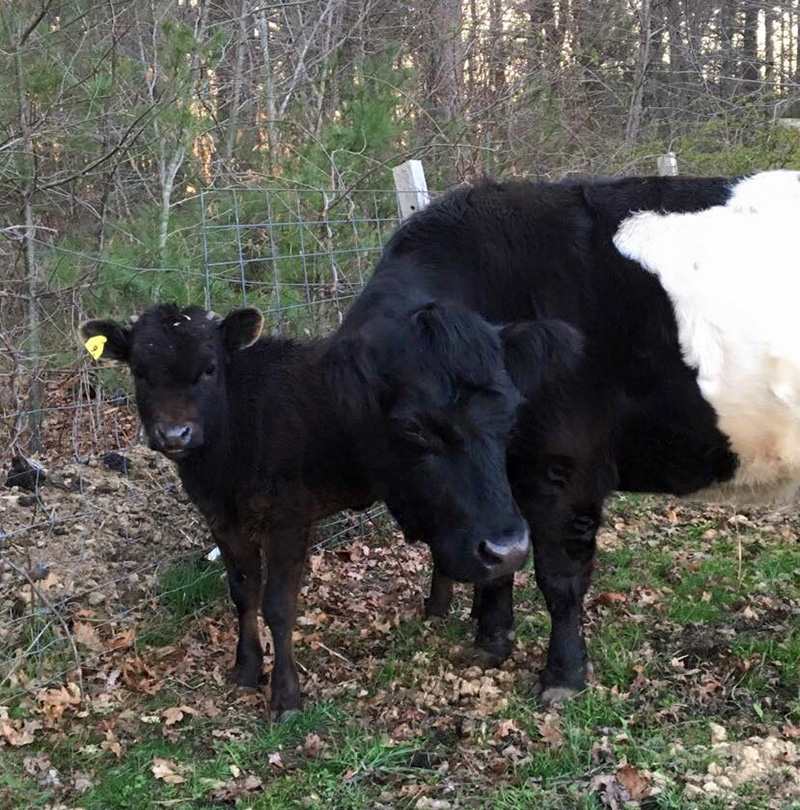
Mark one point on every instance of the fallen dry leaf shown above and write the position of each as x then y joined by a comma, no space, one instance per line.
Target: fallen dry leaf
81,782
122,639
35,765
230,791
313,745
54,702
632,779
49,581
113,746
17,733
275,759
549,728
86,635
610,598
172,716
165,770
504,729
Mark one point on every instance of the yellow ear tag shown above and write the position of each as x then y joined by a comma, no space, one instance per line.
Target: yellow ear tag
95,346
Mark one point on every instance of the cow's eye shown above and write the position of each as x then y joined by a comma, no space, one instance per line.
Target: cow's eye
413,434
209,369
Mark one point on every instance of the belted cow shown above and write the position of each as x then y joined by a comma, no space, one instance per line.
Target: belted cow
684,290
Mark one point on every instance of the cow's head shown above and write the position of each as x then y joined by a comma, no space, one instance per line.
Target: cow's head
438,391
178,359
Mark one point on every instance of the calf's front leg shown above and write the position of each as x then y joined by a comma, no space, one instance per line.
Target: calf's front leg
243,564
286,550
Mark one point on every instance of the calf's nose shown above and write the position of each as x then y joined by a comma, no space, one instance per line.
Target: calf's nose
174,437
505,553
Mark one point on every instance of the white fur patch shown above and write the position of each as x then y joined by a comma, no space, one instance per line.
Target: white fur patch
765,191
733,275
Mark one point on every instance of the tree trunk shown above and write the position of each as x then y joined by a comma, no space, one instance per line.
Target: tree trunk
769,46
34,272
168,175
636,109
445,59
238,78
269,86
750,72
497,47
796,38
727,24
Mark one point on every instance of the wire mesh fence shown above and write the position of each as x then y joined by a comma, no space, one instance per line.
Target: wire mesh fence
99,546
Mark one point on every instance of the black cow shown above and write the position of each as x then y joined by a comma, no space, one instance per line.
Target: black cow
690,371
270,435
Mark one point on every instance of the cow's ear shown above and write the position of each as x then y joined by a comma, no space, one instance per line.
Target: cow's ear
241,328
538,353
107,340
352,373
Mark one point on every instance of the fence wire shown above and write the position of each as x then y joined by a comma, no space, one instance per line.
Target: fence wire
100,550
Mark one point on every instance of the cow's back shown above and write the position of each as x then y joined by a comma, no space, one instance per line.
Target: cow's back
520,251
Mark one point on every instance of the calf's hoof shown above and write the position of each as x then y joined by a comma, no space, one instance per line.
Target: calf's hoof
279,716
554,695
436,610
248,678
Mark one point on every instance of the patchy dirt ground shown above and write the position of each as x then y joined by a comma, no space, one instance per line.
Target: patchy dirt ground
692,625
93,535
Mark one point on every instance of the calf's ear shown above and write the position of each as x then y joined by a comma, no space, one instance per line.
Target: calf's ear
539,353
241,328
108,340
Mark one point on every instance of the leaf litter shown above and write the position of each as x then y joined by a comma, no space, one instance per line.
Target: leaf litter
360,618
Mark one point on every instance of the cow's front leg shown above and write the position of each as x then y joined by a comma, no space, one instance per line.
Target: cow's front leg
243,564
493,607
563,549
438,603
286,555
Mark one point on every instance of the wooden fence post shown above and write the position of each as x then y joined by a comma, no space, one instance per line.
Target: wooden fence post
411,187
668,165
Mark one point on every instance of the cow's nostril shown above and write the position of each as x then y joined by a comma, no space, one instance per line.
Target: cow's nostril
490,553
507,555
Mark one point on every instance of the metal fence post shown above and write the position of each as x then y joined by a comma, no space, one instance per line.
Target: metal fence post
412,189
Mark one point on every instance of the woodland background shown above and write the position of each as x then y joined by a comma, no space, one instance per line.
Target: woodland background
220,152
116,113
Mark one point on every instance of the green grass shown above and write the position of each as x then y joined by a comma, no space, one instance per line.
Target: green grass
650,655
192,586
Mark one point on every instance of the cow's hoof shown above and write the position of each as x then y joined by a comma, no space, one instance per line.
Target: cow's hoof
556,695
496,648
483,659
246,679
279,716
436,610
549,693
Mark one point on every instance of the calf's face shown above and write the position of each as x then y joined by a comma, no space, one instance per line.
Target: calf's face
440,390
178,359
